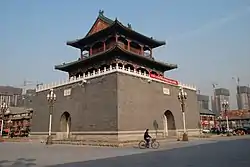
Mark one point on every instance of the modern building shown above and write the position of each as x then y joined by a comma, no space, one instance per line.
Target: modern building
203,101
207,117
115,90
11,96
220,95
27,98
243,97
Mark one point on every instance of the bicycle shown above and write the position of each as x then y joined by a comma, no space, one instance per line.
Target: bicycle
153,143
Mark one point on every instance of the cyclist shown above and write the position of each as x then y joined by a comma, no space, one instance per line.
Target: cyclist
147,138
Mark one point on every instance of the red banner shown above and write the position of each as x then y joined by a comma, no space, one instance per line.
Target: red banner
204,122
164,79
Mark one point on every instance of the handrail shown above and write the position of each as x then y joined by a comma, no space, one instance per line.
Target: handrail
109,70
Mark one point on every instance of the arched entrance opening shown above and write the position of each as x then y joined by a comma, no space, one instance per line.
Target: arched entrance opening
65,123
169,124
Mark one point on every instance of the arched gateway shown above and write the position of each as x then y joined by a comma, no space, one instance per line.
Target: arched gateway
169,123
65,123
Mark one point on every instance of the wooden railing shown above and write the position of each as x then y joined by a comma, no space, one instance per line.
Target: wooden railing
97,50
135,50
124,46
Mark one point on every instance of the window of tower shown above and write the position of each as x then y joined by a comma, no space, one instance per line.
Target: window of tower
79,74
154,73
129,67
113,65
146,51
142,70
122,42
98,47
85,52
104,67
120,65
135,47
90,71
110,42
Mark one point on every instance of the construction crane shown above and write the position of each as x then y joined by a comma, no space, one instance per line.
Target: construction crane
27,83
214,85
213,99
30,83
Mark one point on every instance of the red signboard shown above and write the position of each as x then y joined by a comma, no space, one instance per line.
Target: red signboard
164,79
204,122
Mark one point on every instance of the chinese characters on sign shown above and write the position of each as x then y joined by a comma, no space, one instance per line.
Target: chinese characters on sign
67,92
164,79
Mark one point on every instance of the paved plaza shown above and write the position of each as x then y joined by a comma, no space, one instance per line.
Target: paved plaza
230,152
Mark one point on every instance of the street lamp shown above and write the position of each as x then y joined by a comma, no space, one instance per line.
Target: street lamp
51,97
225,105
4,107
182,96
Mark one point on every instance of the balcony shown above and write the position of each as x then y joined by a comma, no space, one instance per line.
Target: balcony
109,43
122,45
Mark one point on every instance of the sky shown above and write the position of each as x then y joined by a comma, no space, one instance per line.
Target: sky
208,39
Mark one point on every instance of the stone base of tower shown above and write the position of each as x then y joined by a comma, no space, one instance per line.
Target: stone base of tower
94,110
109,138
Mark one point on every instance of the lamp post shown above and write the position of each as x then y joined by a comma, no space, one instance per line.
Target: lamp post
225,105
51,97
3,110
182,96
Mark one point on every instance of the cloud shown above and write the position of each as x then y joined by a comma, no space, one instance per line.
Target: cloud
212,24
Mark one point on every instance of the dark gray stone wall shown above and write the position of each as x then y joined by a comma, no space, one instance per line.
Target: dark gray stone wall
114,102
141,103
93,107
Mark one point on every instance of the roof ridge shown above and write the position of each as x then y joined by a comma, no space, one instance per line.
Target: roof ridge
104,18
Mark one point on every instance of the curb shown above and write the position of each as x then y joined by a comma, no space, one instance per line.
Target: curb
15,140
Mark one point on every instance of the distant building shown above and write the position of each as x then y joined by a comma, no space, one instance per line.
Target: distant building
27,98
243,97
203,101
207,117
221,95
16,119
10,95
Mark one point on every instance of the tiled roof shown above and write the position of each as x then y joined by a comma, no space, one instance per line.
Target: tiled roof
17,110
117,24
206,111
117,48
237,114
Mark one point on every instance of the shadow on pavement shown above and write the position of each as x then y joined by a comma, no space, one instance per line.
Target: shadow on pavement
230,154
20,162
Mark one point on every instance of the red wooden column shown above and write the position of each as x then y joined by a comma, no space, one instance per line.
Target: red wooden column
129,44
81,54
116,38
104,46
141,52
90,51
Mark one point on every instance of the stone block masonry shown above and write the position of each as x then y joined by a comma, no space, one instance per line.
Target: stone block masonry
117,106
